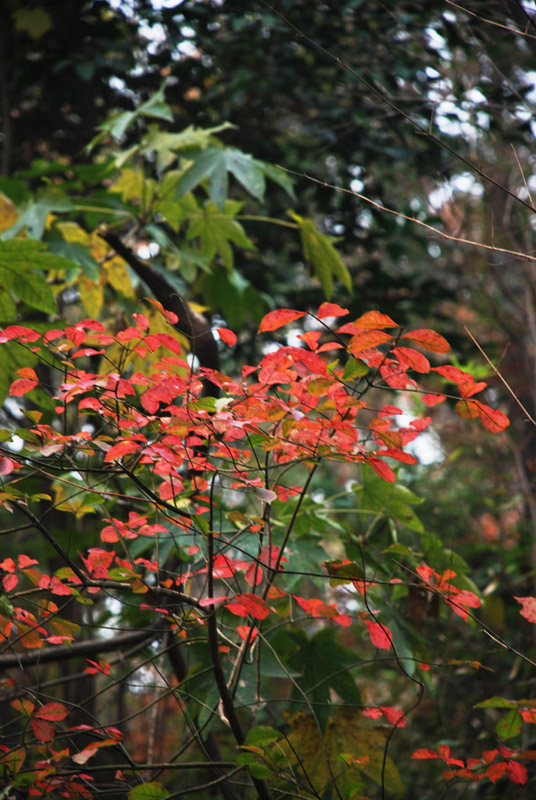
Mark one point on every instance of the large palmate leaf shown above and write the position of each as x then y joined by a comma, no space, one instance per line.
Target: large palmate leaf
215,163
216,229
20,260
322,258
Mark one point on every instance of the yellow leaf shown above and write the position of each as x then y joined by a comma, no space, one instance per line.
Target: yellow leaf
72,232
8,213
118,276
91,295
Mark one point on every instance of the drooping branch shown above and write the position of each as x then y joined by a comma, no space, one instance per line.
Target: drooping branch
79,649
193,325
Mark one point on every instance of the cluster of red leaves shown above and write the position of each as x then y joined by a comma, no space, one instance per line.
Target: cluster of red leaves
299,407
47,777
458,599
476,769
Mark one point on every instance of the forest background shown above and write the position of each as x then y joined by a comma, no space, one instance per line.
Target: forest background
376,156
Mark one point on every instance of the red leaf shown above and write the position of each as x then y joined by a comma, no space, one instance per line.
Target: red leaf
424,752
331,310
429,340
25,561
395,716
453,373
492,419
6,465
244,604
381,468
380,635
52,712
9,582
276,319
408,358
517,772
43,730
121,449
433,399
529,607
227,336
28,380
372,713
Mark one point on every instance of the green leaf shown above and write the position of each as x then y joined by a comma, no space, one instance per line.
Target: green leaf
148,791
509,725
33,21
77,255
392,498
215,162
8,310
262,735
216,230
355,368
6,609
29,287
33,218
324,261
496,702
168,145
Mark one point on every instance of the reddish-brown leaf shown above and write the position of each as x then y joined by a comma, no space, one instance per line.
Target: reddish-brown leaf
53,712
43,730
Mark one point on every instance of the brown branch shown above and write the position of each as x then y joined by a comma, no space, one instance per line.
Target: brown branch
80,649
191,323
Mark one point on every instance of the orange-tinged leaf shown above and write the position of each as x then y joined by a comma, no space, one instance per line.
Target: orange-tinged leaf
529,607
428,339
467,409
331,310
408,358
424,752
276,319
369,320
52,712
367,339
24,706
